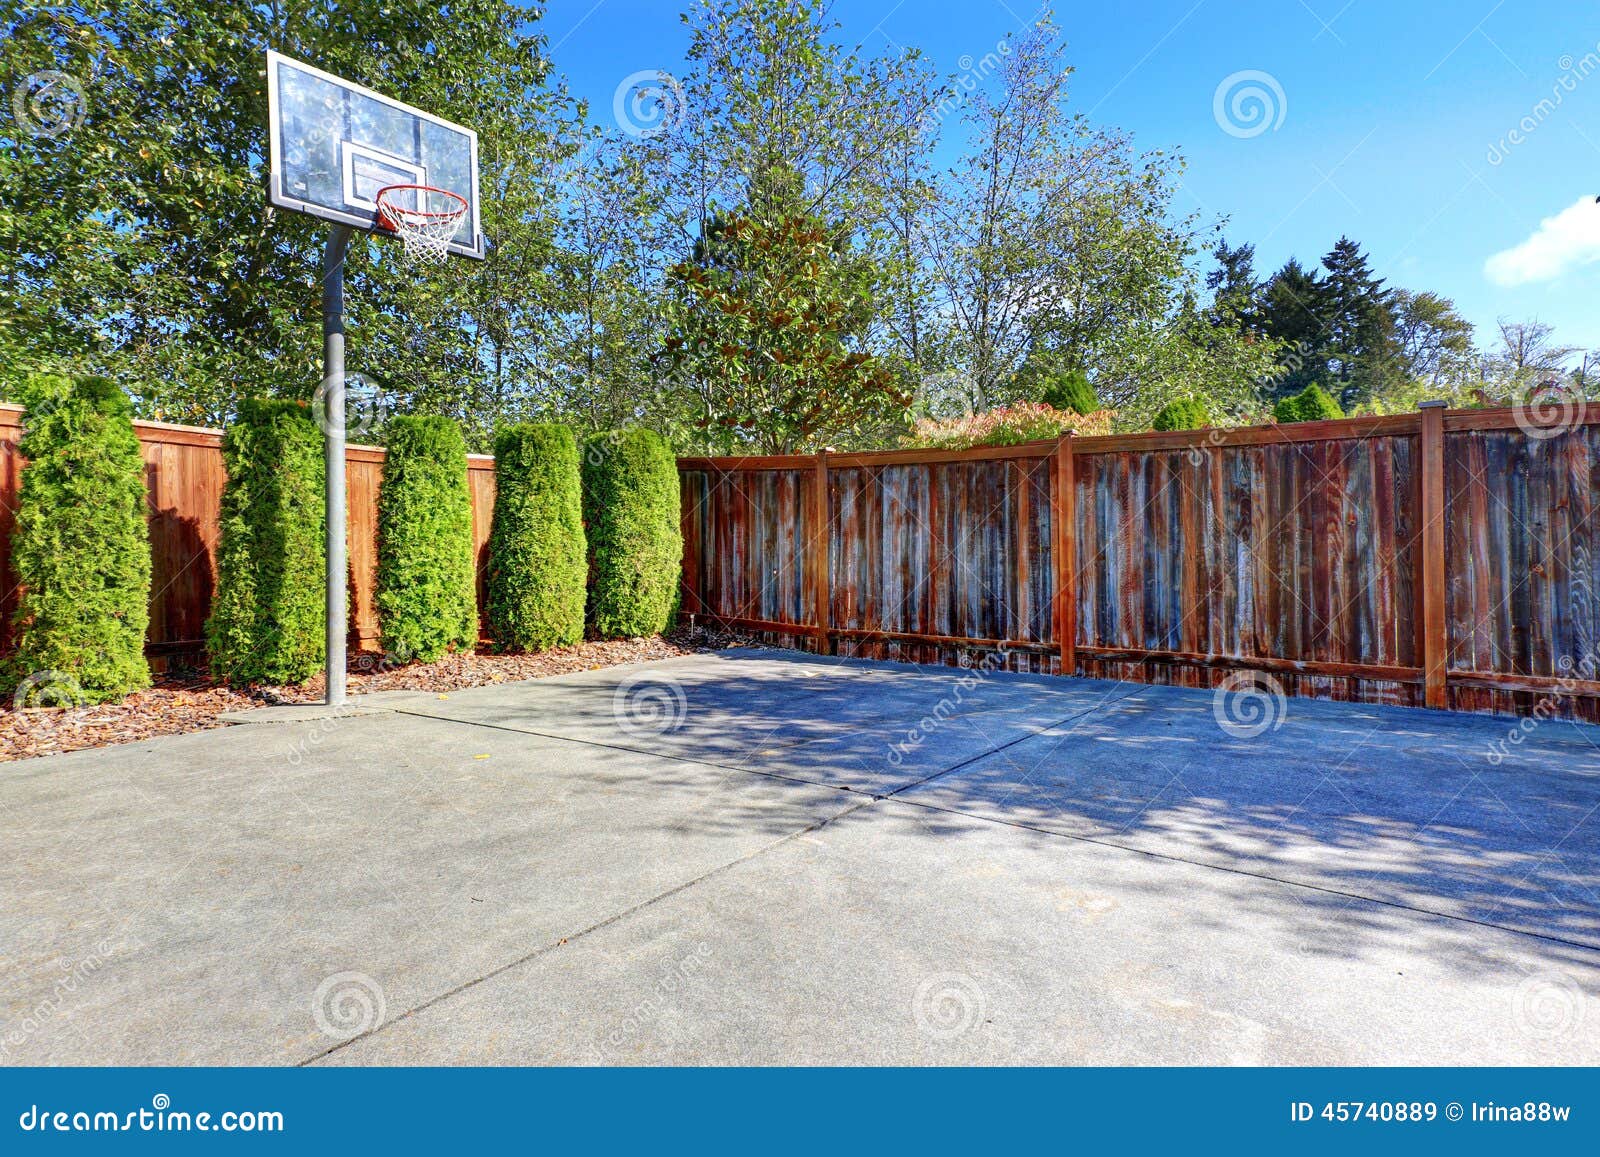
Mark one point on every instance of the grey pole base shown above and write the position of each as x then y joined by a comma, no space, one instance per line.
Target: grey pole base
333,447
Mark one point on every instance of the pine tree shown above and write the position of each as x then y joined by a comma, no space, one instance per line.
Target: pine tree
1234,286
1293,310
1363,347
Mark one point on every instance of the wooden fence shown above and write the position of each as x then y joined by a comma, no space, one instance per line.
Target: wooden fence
1439,558
184,476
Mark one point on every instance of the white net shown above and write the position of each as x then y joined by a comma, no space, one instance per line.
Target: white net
424,219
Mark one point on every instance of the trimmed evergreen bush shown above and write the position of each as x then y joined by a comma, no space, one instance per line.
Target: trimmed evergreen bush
425,597
630,509
1070,390
81,544
267,615
1182,414
1311,404
538,557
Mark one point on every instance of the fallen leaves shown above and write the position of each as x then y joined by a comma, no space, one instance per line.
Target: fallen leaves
178,705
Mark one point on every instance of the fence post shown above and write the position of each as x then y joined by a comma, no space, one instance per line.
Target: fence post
1064,556
1021,471
1431,640
690,526
819,533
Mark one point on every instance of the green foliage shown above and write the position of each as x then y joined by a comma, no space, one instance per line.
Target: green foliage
1182,414
1311,404
81,544
268,612
1046,377
1071,391
631,500
427,603
765,331
140,236
538,558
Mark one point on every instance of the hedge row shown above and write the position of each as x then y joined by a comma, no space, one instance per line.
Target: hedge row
595,544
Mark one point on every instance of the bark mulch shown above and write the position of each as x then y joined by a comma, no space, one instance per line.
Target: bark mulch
181,704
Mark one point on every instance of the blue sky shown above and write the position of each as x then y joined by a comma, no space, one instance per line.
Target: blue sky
1414,126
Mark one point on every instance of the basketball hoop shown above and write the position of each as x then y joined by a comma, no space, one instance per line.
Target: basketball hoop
424,218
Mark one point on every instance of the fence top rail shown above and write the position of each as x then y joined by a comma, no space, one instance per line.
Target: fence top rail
173,434
1554,416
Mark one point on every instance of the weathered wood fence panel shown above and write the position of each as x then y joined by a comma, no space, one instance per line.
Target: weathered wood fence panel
1438,558
1294,557
1523,598
185,476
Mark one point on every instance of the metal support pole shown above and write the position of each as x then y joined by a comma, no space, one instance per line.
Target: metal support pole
333,448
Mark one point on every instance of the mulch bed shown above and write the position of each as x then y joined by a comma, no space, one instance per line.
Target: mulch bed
181,704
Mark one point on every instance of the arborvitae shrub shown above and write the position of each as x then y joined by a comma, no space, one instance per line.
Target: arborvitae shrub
80,548
1311,404
267,615
537,554
426,598
1182,414
630,509
1070,390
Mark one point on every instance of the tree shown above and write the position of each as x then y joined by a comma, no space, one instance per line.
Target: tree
631,497
1292,312
81,546
1045,378
1362,351
766,326
538,556
427,576
1311,404
769,88
268,617
1530,346
1234,286
1182,356
609,286
1182,414
1435,342
142,238
1050,233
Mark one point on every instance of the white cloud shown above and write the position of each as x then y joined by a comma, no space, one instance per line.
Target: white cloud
1564,242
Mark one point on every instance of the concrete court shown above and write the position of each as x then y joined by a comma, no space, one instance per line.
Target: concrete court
762,857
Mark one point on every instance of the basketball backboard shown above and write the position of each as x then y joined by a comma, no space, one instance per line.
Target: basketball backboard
334,144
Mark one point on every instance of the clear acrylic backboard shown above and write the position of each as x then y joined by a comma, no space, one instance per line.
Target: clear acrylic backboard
335,144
